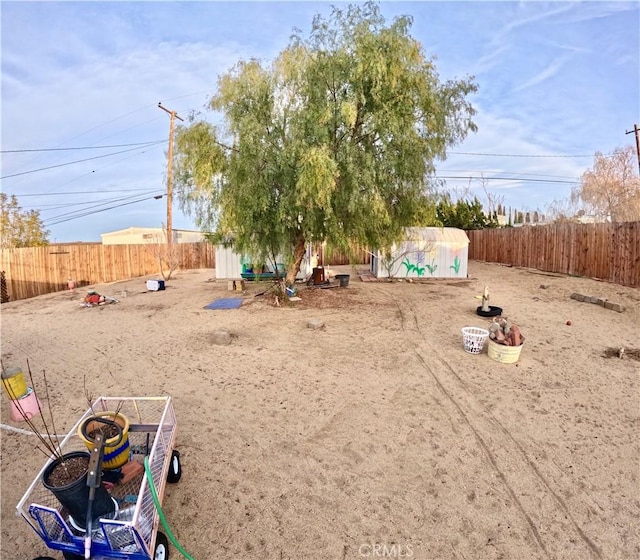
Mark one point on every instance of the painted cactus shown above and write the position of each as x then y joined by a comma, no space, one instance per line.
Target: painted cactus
456,265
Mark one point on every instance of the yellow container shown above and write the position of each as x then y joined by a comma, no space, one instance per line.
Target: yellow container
14,384
114,456
504,354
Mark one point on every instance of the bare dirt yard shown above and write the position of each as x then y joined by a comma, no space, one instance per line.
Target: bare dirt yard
376,435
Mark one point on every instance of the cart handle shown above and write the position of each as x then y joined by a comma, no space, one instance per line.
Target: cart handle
106,421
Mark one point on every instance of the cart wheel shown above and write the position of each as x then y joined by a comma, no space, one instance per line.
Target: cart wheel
175,470
162,547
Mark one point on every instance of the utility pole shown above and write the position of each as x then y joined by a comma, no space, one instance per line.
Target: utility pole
637,131
174,116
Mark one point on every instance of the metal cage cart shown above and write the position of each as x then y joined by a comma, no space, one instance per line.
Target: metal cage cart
131,531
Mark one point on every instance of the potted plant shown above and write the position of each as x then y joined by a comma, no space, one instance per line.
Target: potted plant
66,475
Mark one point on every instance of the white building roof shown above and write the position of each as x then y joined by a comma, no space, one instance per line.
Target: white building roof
438,234
136,230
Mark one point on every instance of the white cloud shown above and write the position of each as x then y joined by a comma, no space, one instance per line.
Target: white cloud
73,74
548,72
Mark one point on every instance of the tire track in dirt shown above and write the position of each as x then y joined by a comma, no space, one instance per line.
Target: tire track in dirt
532,494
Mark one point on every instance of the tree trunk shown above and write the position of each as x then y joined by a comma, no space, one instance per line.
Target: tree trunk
298,255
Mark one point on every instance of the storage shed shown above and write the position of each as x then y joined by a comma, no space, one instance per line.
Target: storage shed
231,265
430,252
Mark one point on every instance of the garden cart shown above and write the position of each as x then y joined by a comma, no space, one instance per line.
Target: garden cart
129,531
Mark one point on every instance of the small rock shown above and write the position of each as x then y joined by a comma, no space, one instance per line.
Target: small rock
577,297
544,286
315,324
221,337
569,323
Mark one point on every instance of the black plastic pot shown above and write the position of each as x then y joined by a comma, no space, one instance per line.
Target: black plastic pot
343,279
75,496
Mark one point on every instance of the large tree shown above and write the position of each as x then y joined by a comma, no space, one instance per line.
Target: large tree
18,227
334,141
611,190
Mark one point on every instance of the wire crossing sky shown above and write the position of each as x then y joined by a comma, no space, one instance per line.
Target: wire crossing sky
81,82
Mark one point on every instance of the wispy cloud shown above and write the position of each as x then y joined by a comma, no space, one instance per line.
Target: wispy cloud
73,74
505,37
548,72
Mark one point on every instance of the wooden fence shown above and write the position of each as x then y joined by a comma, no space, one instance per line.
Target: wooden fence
34,271
604,251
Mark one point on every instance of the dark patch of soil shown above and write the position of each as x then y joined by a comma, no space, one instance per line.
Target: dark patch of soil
459,283
323,298
68,471
312,297
633,353
107,432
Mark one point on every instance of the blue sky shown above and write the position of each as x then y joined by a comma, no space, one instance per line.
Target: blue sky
556,79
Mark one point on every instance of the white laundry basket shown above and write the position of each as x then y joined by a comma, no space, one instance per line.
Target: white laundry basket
473,339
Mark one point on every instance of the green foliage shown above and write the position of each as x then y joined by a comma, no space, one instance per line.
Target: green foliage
334,141
18,227
464,214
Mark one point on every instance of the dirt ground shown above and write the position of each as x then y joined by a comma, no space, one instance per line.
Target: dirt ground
374,436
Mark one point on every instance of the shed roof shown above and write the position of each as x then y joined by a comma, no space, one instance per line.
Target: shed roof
438,234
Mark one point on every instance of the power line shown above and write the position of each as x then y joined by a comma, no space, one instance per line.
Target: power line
33,160
469,177
132,113
77,161
84,192
96,204
482,172
113,162
102,210
524,155
43,208
80,147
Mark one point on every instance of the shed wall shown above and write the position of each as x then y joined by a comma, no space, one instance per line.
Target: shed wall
229,264
426,253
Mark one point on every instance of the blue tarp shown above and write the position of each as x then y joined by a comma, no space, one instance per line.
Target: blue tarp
225,303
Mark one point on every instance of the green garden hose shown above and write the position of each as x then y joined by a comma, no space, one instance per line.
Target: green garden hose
156,501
